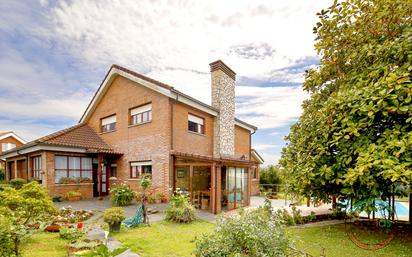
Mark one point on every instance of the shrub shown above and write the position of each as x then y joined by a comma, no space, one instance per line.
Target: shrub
297,215
68,180
73,193
72,233
17,183
114,215
180,210
254,233
6,243
2,175
283,216
23,211
121,195
84,180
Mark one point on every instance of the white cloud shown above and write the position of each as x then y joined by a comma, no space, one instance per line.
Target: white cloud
270,159
262,147
181,34
270,107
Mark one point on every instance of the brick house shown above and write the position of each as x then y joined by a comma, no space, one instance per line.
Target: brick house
134,126
8,141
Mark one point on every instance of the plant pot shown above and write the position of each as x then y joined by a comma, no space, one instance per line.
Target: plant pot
115,227
74,198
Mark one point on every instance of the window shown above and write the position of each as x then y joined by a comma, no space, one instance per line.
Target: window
141,114
7,146
71,166
108,124
36,167
137,169
254,173
113,169
196,124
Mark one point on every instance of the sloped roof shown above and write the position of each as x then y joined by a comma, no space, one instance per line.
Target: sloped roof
169,91
78,136
11,134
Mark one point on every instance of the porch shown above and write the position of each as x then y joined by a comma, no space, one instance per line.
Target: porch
212,184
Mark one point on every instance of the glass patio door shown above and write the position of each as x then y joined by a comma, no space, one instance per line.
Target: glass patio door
236,187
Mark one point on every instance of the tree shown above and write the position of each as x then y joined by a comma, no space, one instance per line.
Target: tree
271,175
354,138
22,211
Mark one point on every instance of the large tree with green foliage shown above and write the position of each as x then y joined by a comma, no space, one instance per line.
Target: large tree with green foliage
354,138
22,211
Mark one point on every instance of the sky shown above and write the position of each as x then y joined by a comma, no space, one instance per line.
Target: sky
54,55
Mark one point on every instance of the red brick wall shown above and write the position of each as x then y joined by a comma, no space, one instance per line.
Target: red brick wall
242,142
187,141
11,140
149,141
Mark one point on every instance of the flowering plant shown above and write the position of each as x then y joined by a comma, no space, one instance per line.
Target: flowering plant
121,195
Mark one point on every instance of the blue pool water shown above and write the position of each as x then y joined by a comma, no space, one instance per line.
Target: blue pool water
400,209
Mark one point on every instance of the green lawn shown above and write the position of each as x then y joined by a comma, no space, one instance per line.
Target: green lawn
45,244
164,238
170,239
336,242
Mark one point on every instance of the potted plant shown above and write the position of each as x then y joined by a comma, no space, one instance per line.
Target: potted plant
158,198
163,198
138,196
73,196
114,217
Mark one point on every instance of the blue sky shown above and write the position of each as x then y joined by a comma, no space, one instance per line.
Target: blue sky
54,54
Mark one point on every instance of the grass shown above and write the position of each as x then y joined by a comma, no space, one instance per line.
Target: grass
336,242
45,244
164,238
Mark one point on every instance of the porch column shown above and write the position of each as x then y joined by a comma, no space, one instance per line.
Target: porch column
249,185
6,170
15,168
213,188
218,188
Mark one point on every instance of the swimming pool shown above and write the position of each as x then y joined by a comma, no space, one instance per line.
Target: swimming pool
400,209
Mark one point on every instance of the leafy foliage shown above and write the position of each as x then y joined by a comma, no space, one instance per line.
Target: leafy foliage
102,251
271,175
72,233
254,233
180,210
121,195
114,215
17,183
354,137
23,210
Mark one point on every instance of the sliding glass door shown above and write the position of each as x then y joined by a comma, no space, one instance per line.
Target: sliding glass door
236,186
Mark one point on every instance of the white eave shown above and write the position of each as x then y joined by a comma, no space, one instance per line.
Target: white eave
11,134
39,147
171,93
257,156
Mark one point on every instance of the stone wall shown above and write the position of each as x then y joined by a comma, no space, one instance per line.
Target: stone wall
223,99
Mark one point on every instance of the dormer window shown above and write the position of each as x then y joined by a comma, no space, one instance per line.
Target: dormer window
196,124
141,114
108,124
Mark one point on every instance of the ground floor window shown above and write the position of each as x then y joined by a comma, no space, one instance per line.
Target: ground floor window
36,167
73,167
138,169
113,170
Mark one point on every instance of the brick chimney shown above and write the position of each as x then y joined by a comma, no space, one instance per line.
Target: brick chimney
223,99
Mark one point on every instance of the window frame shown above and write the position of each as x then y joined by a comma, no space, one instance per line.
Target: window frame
149,113
140,174
107,127
36,171
67,170
198,125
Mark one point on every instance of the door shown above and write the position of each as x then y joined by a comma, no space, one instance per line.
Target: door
237,187
95,180
104,181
